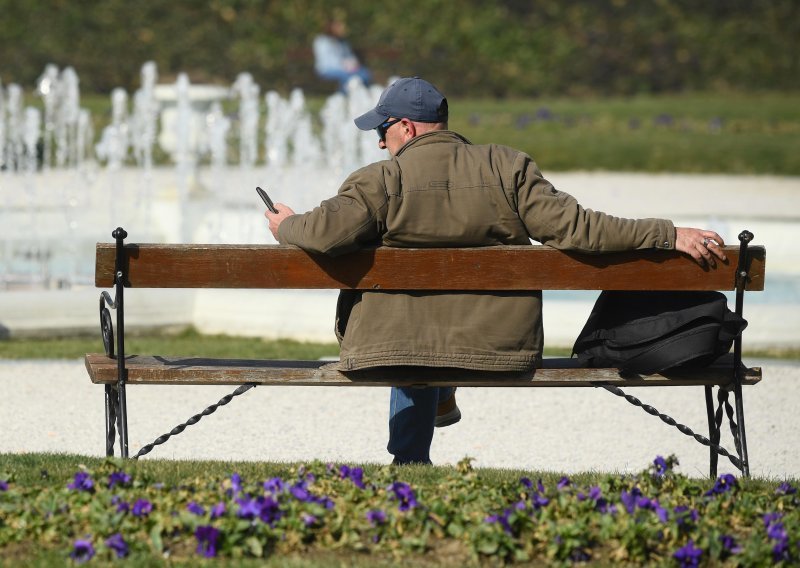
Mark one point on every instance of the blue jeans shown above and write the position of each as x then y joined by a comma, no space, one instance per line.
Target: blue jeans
412,414
342,77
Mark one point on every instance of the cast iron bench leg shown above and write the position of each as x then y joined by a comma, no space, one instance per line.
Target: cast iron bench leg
111,419
713,432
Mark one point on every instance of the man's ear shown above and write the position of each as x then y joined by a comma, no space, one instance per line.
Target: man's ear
409,129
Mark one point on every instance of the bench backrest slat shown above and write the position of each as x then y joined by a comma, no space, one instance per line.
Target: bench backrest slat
489,268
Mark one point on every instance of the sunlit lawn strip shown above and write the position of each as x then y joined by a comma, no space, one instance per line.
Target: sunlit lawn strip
108,510
190,342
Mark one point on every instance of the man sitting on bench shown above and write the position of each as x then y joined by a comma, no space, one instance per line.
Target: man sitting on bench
439,190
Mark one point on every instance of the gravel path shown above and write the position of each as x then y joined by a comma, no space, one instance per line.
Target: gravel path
50,406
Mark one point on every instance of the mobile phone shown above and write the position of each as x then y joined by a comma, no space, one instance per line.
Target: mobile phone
267,200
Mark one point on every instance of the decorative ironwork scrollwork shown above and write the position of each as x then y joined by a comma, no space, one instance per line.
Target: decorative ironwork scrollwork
106,325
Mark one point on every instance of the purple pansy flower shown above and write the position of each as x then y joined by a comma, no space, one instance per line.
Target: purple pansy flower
122,506
357,477
82,551
376,517
118,478
605,507
723,484
635,500
628,499
600,503
502,520
594,494
265,508
538,500
142,508
563,483
326,502
771,518
248,508
652,505
689,556
116,543
3,485
275,485
661,466
270,510
218,510
196,509
236,484
785,488
777,532
354,474
780,551
300,492
308,520
207,540
82,482
729,544
404,494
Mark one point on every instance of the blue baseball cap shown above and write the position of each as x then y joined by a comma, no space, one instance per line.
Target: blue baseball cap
409,97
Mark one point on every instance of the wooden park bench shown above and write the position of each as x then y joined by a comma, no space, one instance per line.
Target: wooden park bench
121,266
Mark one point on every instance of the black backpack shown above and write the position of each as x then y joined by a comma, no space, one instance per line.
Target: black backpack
649,332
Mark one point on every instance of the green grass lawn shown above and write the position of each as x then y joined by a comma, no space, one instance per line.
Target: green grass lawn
187,342
736,133
698,133
190,342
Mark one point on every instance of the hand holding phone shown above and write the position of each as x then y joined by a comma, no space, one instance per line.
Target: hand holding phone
266,199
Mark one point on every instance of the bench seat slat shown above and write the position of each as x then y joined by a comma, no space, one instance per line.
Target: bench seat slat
556,372
387,268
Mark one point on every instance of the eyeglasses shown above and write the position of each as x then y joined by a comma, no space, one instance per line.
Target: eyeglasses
381,130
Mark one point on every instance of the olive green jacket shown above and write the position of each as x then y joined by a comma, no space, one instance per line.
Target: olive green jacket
442,191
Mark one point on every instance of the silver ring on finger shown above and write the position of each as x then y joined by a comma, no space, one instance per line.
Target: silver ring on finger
706,240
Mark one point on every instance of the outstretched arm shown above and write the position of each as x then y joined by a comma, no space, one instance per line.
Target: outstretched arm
701,245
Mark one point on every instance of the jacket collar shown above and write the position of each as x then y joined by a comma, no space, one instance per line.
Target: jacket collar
434,137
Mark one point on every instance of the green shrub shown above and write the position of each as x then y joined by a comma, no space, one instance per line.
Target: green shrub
470,47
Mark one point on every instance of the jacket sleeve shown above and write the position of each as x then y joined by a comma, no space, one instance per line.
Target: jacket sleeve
556,218
346,222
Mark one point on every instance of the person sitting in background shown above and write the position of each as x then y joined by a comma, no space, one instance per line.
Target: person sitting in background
334,59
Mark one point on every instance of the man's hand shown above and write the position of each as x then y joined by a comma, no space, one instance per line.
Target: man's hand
275,219
701,245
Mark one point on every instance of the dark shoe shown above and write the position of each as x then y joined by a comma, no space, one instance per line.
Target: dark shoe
397,461
447,413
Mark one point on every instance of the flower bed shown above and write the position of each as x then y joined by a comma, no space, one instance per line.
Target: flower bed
108,513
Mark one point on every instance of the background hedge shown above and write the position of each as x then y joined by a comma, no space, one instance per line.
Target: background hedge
468,47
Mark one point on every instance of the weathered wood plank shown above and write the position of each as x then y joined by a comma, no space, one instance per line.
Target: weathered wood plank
384,268
559,372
